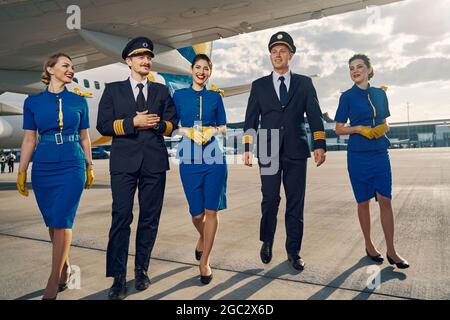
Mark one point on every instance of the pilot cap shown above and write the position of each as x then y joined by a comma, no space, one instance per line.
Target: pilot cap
282,38
136,46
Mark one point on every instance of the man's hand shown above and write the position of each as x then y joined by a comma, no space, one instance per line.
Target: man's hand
144,121
247,157
319,156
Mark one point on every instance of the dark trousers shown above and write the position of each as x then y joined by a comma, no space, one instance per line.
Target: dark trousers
293,174
151,194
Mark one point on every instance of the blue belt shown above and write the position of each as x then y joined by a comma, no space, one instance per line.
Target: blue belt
59,138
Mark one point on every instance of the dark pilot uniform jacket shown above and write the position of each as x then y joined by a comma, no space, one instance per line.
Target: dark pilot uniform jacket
132,148
265,108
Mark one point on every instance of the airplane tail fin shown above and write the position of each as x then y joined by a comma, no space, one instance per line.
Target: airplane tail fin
190,52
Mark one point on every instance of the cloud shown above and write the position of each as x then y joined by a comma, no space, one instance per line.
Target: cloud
419,17
408,42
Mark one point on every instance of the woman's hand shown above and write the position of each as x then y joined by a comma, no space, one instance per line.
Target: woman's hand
193,134
344,129
208,133
380,130
356,129
89,177
366,132
21,183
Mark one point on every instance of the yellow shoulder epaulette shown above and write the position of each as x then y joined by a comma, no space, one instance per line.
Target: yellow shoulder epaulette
214,88
81,93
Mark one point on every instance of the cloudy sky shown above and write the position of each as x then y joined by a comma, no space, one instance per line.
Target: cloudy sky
408,43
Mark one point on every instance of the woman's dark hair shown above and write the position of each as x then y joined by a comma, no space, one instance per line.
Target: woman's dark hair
50,62
201,56
366,61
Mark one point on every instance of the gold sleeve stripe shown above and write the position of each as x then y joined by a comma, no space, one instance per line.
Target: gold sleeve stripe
319,135
247,139
115,127
122,130
169,128
118,128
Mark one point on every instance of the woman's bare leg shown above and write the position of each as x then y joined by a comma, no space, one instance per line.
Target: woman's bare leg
387,222
64,274
199,223
209,234
364,221
62,239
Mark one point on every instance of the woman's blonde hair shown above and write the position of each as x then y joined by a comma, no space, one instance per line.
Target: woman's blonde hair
50,62
366,61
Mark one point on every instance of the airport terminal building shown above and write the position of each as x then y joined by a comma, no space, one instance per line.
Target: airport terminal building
416,134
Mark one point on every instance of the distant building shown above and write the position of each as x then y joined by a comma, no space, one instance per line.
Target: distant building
415,134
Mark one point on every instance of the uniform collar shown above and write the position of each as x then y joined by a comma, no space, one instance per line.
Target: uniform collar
134,83
276,75
56,94
359,90
198,92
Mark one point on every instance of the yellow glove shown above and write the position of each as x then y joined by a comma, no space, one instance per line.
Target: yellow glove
380,130
367,132
89,177
208,133
22,183
194,135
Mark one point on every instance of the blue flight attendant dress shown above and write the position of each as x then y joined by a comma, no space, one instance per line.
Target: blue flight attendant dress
367,159
58,173
203,168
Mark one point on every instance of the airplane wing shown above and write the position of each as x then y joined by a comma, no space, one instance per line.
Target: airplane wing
34,29
9,110
235,90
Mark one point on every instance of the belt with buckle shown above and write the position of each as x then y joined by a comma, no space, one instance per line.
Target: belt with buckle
59,138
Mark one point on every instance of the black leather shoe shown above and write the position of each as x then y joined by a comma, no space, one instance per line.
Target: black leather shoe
63,286
206,279
141,279
198,255
266,252
296,262
118,290
378,259
401,265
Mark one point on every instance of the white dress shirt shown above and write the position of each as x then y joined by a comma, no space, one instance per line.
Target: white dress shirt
135,88
276,82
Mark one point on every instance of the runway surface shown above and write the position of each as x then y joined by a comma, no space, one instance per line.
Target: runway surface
333,246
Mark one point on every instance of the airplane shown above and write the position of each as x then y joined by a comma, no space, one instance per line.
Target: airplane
90,84
179,29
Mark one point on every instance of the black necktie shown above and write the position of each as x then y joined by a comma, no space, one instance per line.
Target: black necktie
140,101
283,92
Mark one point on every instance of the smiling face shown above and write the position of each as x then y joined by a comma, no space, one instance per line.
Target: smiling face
280,57
201,71
140,64
359,71
62,71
